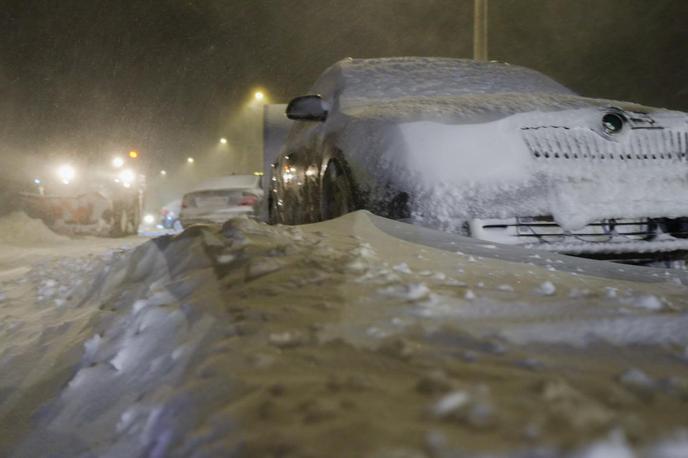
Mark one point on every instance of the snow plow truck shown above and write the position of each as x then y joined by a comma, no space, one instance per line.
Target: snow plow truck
100,201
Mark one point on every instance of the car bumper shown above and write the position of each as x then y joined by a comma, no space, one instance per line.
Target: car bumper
215,217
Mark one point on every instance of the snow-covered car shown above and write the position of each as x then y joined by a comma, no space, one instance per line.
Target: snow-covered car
220,199
497,151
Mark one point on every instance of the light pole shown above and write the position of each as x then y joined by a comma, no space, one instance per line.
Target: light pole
480,30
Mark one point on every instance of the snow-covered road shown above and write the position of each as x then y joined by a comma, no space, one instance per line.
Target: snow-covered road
353,337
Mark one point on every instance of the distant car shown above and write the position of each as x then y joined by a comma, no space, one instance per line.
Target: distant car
220,199
169,214
496,151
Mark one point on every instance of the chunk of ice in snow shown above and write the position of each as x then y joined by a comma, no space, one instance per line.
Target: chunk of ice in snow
649,302
139,304
636,378
364,250
285,339
92,345
546,289
225,258
505,287
614,446
611,292
470,295
403,268
439,276
409,292
450,403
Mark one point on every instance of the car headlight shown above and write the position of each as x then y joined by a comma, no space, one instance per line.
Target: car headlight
127,177
613,122
66,173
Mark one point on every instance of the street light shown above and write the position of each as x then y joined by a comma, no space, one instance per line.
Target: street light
190,160
223,140
117,162
163,172
259,95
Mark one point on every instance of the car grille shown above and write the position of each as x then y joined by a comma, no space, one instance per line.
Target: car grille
564,143
545,230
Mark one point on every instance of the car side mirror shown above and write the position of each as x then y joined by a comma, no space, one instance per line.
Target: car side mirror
307,108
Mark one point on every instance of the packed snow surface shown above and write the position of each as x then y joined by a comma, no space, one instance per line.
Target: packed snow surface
338,339
19,228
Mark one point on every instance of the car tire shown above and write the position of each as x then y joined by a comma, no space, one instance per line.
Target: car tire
336,196
272,210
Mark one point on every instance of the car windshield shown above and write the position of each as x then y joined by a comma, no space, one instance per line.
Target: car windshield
219,197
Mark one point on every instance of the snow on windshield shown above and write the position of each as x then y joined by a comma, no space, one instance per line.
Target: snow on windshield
391,78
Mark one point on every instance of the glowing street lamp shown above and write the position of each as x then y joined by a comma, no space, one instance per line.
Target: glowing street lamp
133,154
259,96
117,162
190,160
223,140
163,172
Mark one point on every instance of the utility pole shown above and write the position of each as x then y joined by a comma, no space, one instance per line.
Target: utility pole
480,30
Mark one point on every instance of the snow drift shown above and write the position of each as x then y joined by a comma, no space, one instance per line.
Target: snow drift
337,339
19,228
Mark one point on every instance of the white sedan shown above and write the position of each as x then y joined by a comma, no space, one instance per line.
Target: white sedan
220,199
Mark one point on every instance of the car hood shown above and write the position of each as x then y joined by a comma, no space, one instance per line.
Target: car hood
471,108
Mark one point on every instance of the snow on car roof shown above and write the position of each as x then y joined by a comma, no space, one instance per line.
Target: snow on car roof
229,182
390,78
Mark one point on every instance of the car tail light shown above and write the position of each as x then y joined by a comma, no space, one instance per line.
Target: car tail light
248,200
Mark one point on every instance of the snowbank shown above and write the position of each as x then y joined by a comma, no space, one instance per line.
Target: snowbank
19,228
333,339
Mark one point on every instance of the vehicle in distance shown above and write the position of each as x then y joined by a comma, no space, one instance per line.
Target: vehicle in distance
220,199
169,214
496,151
80,198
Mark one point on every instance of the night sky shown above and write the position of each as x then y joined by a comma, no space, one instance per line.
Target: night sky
89,77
